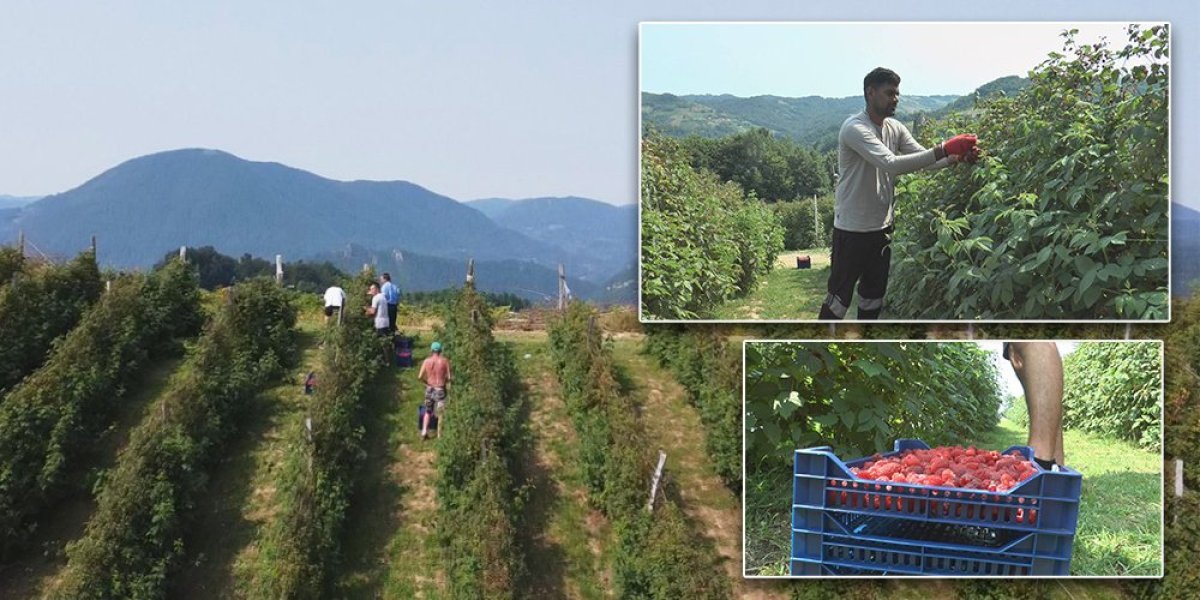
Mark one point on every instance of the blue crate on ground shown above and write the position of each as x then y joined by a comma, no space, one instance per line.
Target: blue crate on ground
842,525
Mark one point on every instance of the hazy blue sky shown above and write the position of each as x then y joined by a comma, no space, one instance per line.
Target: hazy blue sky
469,99
830,59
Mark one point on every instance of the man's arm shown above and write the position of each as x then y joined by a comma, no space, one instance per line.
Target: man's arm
910,145
865,143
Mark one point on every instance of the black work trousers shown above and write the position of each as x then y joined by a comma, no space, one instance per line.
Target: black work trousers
861,259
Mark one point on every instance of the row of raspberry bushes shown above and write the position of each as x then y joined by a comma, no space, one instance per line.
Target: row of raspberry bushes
656,552
480,485
301,546
709,368
38,303
703,241
54,415
136,538
1066,216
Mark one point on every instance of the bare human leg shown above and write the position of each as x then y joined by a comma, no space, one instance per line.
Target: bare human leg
1038,366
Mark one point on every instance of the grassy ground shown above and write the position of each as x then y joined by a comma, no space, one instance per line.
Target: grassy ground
786,293
567,542
1120,513
1121,507
390,550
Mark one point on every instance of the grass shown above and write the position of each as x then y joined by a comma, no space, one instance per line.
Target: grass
391,550
566,541
1118,533
786,292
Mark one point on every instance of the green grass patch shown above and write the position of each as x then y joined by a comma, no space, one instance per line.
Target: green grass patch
390,549
559,529
785,293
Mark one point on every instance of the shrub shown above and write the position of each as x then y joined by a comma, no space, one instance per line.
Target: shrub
703,241
135,539
1113,388
42,303
1066,216
55,414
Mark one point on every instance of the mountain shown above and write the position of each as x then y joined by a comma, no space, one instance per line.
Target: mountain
418,273
1185,249
491,206
812,120
1004,86
607,234
7,201
196,197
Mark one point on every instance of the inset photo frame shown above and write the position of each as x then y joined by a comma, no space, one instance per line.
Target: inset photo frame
1027,458
895,172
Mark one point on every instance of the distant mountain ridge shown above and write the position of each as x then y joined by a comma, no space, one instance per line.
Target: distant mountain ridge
811,120
581,226
7,201
196,197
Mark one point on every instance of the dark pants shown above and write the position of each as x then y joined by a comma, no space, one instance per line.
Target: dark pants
392,318
861,259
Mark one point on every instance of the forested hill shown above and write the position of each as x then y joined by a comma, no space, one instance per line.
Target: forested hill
811,120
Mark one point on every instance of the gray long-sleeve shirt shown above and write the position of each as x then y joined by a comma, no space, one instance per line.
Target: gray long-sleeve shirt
870,158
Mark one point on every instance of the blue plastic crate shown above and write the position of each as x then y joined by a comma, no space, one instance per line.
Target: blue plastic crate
842,525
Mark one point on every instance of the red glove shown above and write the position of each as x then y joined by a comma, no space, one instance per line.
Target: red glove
959,144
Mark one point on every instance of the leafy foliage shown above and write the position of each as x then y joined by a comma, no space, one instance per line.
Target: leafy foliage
54,415
1113,388
704,363
446,296
218,270
42,302
773,168
302,545
1066,216
859,397
799,229
479,490
135,539
11,261
702,241
656,555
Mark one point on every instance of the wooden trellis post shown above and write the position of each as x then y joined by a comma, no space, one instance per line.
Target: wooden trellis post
658,471
562,288
183,253
1178,477
93,245
279,269
470,272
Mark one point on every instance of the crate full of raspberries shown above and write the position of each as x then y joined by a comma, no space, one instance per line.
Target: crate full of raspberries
946,511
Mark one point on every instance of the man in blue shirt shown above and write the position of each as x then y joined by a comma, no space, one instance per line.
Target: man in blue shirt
391,293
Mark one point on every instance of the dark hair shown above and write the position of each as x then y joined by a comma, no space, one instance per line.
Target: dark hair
879,76
387,277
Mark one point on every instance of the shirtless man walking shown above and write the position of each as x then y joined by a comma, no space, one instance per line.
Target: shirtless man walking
435,373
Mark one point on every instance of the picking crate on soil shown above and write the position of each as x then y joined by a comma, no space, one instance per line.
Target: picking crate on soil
844,525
